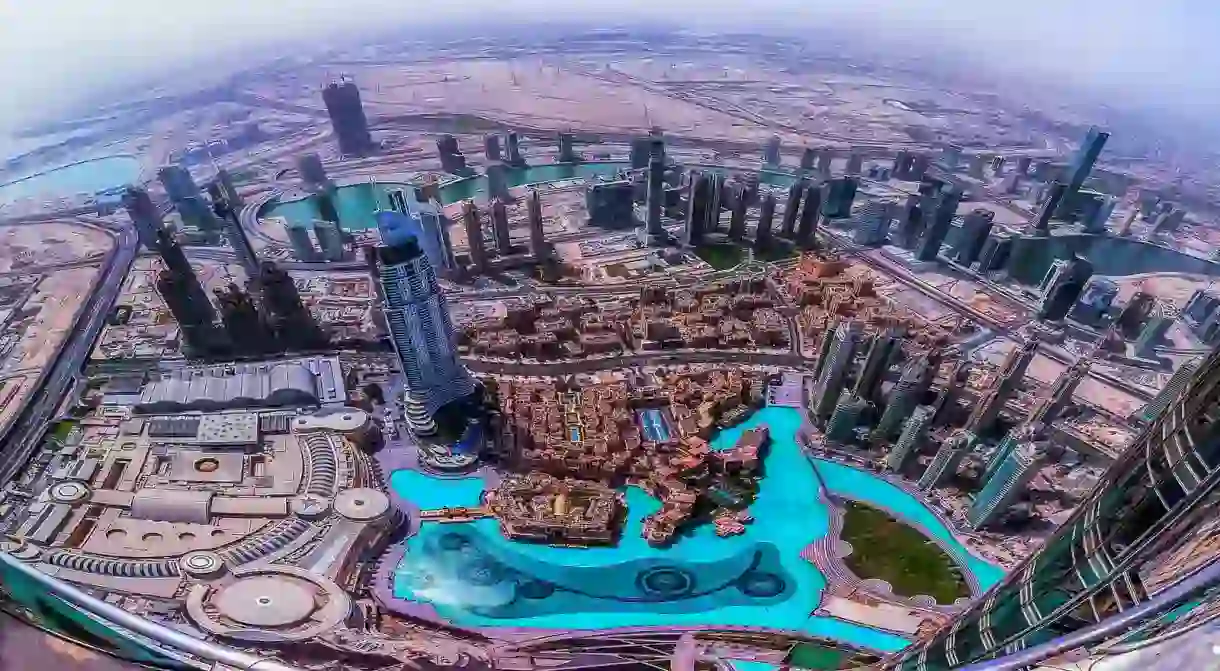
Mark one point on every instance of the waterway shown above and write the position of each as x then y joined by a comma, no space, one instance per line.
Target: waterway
474,576
89,176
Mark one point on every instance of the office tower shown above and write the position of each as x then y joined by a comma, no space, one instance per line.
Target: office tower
715,199
946,403
330,239
641,147
195,212
244,326
420,328
225,181
347,118
474,236
1095,211
696,208
826,156
1065,288
1095,301
737,215
914,432
910,221
514,157
807,229
1011,185
567,149
833,373
302,246
766,216
997,166
538,246
882,353
1009,376
414,215
609,204
177,182
313,173
499,227
1082,163
1168,221
771,152
950,157
940,220
1055,193
491,147
1135,313
1202,305
189,305
808,156
977,164
497,182
846,416
792,208
237,238
949,455
654,200
908,392
1023,165
997,249
976,226
452,159
919,167
855,163
872,223
1006,485
1059,396
1168,394
1141,529
910,167
144,214
283,310
1153,333
1124,229
1021,434
837,197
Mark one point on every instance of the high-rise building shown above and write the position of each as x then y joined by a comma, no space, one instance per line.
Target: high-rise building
655,199
229,190
1173,388
640,150
855,163
987,409
1202,305
1082,163
792,208
978,163
832,375
940,221
567,149
330,239
837,197
1154,331
908,392
302,245
1095,301
184,295
247,332
514,157
313,173
948,457
474,236
883,351
872,223
415,215
452,159
1055,193
976,226
950,157
846,416
696,208
715,202
1059,396
1023,165
997,166
807,228
610,204
1095,211
1135,313
766,216
420,328
499,227
497,181
195,212
910,167
910,220
144,214
914,431
346,113
809,156
178,183
1022,434
1065,288
997,249
491,147
292,324
946,404
771,152
237,238
826,157
1006,485
737,214
538,246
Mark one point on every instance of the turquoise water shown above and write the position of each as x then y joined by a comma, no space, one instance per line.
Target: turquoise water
85,177
355,204
474,576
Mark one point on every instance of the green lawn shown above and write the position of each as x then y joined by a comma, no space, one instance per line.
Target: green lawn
889,550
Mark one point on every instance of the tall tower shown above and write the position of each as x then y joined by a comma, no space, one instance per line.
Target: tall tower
1170,392
872,223
940,220
655,200
833,373
766,216
231,194
1059,396
698,193
313,173
420,327
1005,486
1008,377
807,229
975,228
845,417
883,351
491,147
346,113
499,227
771,152
144,214
944,465
537,236
474,236
514,157
567,149
792,208
914,431
237,238
178,183
907,393
1064,288
184,295
809,156
737,218
283,310
1082,163
837,197
1055,195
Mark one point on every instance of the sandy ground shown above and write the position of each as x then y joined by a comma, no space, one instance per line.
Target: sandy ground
49,244
58,297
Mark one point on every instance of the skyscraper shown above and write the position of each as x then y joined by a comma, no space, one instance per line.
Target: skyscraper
872,223
1082,163
948,457
809,156
940,220
1095,212
346,113
771,152
807,229
312,172
330,239
514,157
792,208
414,215
179,286
231,194
452,159
302,246
474,236
737,214
914,431
826,156
292,324
497,181
144,214
1169,393
845,417
696,208
237,238
855,163
1153,333
245,328
567,149
178,183
1006,485
420,328
766,215
910,219
908,392
491,147
655,199
997,249
833,373
1065,287
499,227
1008,378
976,226
837,197
882,352
538,246
1059,396
609,204
1056,192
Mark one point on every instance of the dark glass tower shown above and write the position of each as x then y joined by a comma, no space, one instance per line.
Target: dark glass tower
346,113
294,326
1144,527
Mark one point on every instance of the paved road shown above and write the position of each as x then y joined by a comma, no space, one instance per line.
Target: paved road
23,435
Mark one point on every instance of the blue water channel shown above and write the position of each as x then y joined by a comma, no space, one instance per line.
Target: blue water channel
89,176
474,576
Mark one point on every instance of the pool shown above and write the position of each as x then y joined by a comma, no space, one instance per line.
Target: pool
88,176
473,576
653,425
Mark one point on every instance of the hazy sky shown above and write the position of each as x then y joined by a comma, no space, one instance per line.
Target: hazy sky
1149,51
